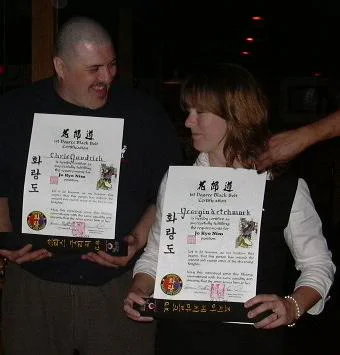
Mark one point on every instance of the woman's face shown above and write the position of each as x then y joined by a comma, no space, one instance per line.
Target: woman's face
208,131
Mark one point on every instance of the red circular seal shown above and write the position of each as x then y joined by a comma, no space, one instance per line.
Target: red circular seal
171,284
36,220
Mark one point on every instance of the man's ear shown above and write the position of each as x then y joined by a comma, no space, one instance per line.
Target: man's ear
59,67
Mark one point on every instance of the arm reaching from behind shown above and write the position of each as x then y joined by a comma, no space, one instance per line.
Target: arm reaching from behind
284,146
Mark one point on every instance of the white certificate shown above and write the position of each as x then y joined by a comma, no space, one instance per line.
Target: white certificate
72,176
210,234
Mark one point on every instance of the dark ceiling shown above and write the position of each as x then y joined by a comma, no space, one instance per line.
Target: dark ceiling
296,37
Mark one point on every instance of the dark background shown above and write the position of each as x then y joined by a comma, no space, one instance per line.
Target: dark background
295,57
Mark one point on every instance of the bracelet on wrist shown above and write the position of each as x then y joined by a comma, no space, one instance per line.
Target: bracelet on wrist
297,310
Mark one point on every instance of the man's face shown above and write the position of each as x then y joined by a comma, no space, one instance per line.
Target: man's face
86,76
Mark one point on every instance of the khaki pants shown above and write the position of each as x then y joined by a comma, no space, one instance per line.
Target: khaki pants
47,318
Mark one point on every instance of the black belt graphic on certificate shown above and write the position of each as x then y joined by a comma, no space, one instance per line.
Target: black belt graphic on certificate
197,310
57,244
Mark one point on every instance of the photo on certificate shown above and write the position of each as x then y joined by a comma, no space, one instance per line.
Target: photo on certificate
108,177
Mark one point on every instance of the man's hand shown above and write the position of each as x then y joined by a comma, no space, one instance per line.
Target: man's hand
25,254
136,241
282,148
105,259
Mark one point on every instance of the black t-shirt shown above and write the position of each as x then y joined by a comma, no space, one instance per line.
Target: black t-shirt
151,145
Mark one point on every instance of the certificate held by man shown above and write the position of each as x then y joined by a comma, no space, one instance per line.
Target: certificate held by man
209,242
72,176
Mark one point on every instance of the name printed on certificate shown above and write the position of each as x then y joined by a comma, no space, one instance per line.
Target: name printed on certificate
72,176
210,232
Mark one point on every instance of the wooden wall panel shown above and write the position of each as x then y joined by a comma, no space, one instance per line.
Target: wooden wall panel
44,26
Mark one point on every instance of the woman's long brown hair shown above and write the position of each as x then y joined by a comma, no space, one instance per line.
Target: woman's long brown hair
231,92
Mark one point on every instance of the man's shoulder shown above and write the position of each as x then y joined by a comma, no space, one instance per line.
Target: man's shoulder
26,93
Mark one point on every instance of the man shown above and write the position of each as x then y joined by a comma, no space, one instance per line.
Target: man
53,304
286,145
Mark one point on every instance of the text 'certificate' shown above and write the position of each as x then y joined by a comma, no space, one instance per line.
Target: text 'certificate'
72,176
210,234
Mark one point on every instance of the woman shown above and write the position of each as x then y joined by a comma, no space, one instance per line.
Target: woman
228,122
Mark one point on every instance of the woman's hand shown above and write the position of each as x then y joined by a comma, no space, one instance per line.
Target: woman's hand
135,297
283,311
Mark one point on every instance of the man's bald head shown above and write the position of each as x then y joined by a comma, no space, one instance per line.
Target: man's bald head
84,62
79,30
